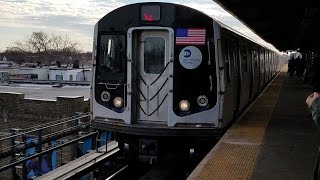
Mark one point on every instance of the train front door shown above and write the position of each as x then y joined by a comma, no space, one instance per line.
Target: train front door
152,48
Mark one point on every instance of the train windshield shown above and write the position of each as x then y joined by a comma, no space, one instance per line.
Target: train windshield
112,58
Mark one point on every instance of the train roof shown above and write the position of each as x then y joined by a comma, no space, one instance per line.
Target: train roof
223,25
243,35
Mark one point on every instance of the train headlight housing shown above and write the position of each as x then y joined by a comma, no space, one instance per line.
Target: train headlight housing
184,105
202,101
118,102
105,96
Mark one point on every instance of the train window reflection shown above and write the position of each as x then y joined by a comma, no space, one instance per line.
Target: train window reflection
244,58
111,58
255,58
227,54
154,54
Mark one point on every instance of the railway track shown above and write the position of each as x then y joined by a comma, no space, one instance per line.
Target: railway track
174,165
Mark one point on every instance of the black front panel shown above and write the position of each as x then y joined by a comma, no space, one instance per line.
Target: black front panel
191,83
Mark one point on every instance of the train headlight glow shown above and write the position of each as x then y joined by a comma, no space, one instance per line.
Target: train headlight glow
184,105
202,101
105,96
118,102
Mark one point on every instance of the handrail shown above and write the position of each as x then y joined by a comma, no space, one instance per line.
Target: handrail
53,122
46,127
19,161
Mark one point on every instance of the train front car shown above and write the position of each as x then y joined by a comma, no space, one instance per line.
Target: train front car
155,73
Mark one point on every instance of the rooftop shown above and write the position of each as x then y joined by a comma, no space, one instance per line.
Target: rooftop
46,92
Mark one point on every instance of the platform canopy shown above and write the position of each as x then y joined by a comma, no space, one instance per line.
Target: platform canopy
287,28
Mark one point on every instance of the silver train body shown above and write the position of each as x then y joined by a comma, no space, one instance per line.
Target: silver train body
166,70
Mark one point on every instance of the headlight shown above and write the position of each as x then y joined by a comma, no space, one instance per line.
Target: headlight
202,101
184,105
118,102
105,96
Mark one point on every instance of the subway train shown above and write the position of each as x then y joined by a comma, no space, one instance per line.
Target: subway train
166,72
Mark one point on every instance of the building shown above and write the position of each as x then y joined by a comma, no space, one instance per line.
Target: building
4,77
4,63
84,75
33,73
63,74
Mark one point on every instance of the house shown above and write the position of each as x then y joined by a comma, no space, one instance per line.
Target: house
4,77
84,75
35,73
4,63
63,74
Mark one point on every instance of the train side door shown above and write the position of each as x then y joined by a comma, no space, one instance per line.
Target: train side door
262,69
244,73
256,73
229,71
237,76
251,70
267,65
152,61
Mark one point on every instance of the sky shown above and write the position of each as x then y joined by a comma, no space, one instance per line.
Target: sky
76,18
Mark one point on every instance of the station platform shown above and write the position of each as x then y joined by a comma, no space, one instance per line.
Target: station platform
275,138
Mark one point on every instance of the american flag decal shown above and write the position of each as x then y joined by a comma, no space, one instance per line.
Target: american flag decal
190,36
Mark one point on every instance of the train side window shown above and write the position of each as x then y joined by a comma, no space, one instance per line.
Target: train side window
154,55
255,58
267,62
262,60
244,58
232,57
226,54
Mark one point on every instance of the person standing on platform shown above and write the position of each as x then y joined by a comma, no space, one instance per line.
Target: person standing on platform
291,64
313,102
300,66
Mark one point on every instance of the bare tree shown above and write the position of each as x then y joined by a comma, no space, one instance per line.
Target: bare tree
38,41
19,47
18,52
64,47
47,48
